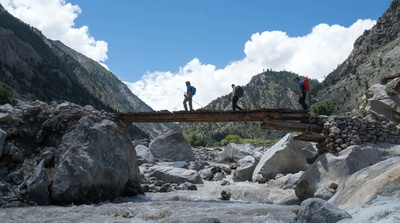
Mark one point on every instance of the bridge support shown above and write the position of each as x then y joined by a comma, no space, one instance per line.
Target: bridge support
291,126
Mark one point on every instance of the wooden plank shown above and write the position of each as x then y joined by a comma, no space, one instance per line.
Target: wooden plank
311,137
213,116
291,126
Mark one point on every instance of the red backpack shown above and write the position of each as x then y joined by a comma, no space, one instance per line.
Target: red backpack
306,84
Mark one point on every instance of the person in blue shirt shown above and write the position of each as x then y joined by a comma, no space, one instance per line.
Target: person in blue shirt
302,93
188,97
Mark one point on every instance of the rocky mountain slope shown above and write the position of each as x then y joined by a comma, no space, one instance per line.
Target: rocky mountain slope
33,67
375,56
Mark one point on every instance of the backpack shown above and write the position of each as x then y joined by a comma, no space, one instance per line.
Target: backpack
306,83
239,91
193,90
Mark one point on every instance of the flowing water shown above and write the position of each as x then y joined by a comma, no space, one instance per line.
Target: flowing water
249,202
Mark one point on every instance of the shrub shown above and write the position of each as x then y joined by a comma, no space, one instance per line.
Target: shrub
231,139
5,97
363,109
196,140
323,108
390,88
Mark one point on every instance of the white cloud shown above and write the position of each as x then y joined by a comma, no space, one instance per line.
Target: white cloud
55,18
314,55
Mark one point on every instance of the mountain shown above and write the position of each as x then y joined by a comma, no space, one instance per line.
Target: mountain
270,89
375,57
33,67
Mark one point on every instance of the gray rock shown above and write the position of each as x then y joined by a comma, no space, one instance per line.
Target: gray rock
323,194
316,210
234,152
291,180
382,105
245,169
144,155
365,185
286,156
48,157
218,176
3,136
188,186
181,164
172,145
259,179
96,161
208,220
225,195
206,174
4,187
17,176
38,186
5,117
175,175
341,166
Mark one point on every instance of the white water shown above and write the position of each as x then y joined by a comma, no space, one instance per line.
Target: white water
250,203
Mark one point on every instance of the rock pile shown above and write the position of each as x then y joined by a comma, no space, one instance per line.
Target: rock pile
62,153
347,131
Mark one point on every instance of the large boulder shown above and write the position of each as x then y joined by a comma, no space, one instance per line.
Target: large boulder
172,145
174,175
96,161
320,211
381,105
365,185
286,156
331,169
144,155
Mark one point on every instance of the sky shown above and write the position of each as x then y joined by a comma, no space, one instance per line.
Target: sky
154,46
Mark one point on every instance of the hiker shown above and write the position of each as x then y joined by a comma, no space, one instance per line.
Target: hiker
302,93
235,97
188,96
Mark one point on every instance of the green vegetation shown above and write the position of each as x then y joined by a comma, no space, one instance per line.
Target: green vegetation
231,139
323,108
196,140
363,109
254,142
5,97
390,88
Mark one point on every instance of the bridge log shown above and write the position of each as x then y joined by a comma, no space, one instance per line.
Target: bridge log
214,116
291,126
311,137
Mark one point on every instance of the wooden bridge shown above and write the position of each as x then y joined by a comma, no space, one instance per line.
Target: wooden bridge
274,119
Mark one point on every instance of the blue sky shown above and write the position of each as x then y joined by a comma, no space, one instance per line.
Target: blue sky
164,35
154,46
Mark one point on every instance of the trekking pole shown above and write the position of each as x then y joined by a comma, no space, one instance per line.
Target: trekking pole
197,103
